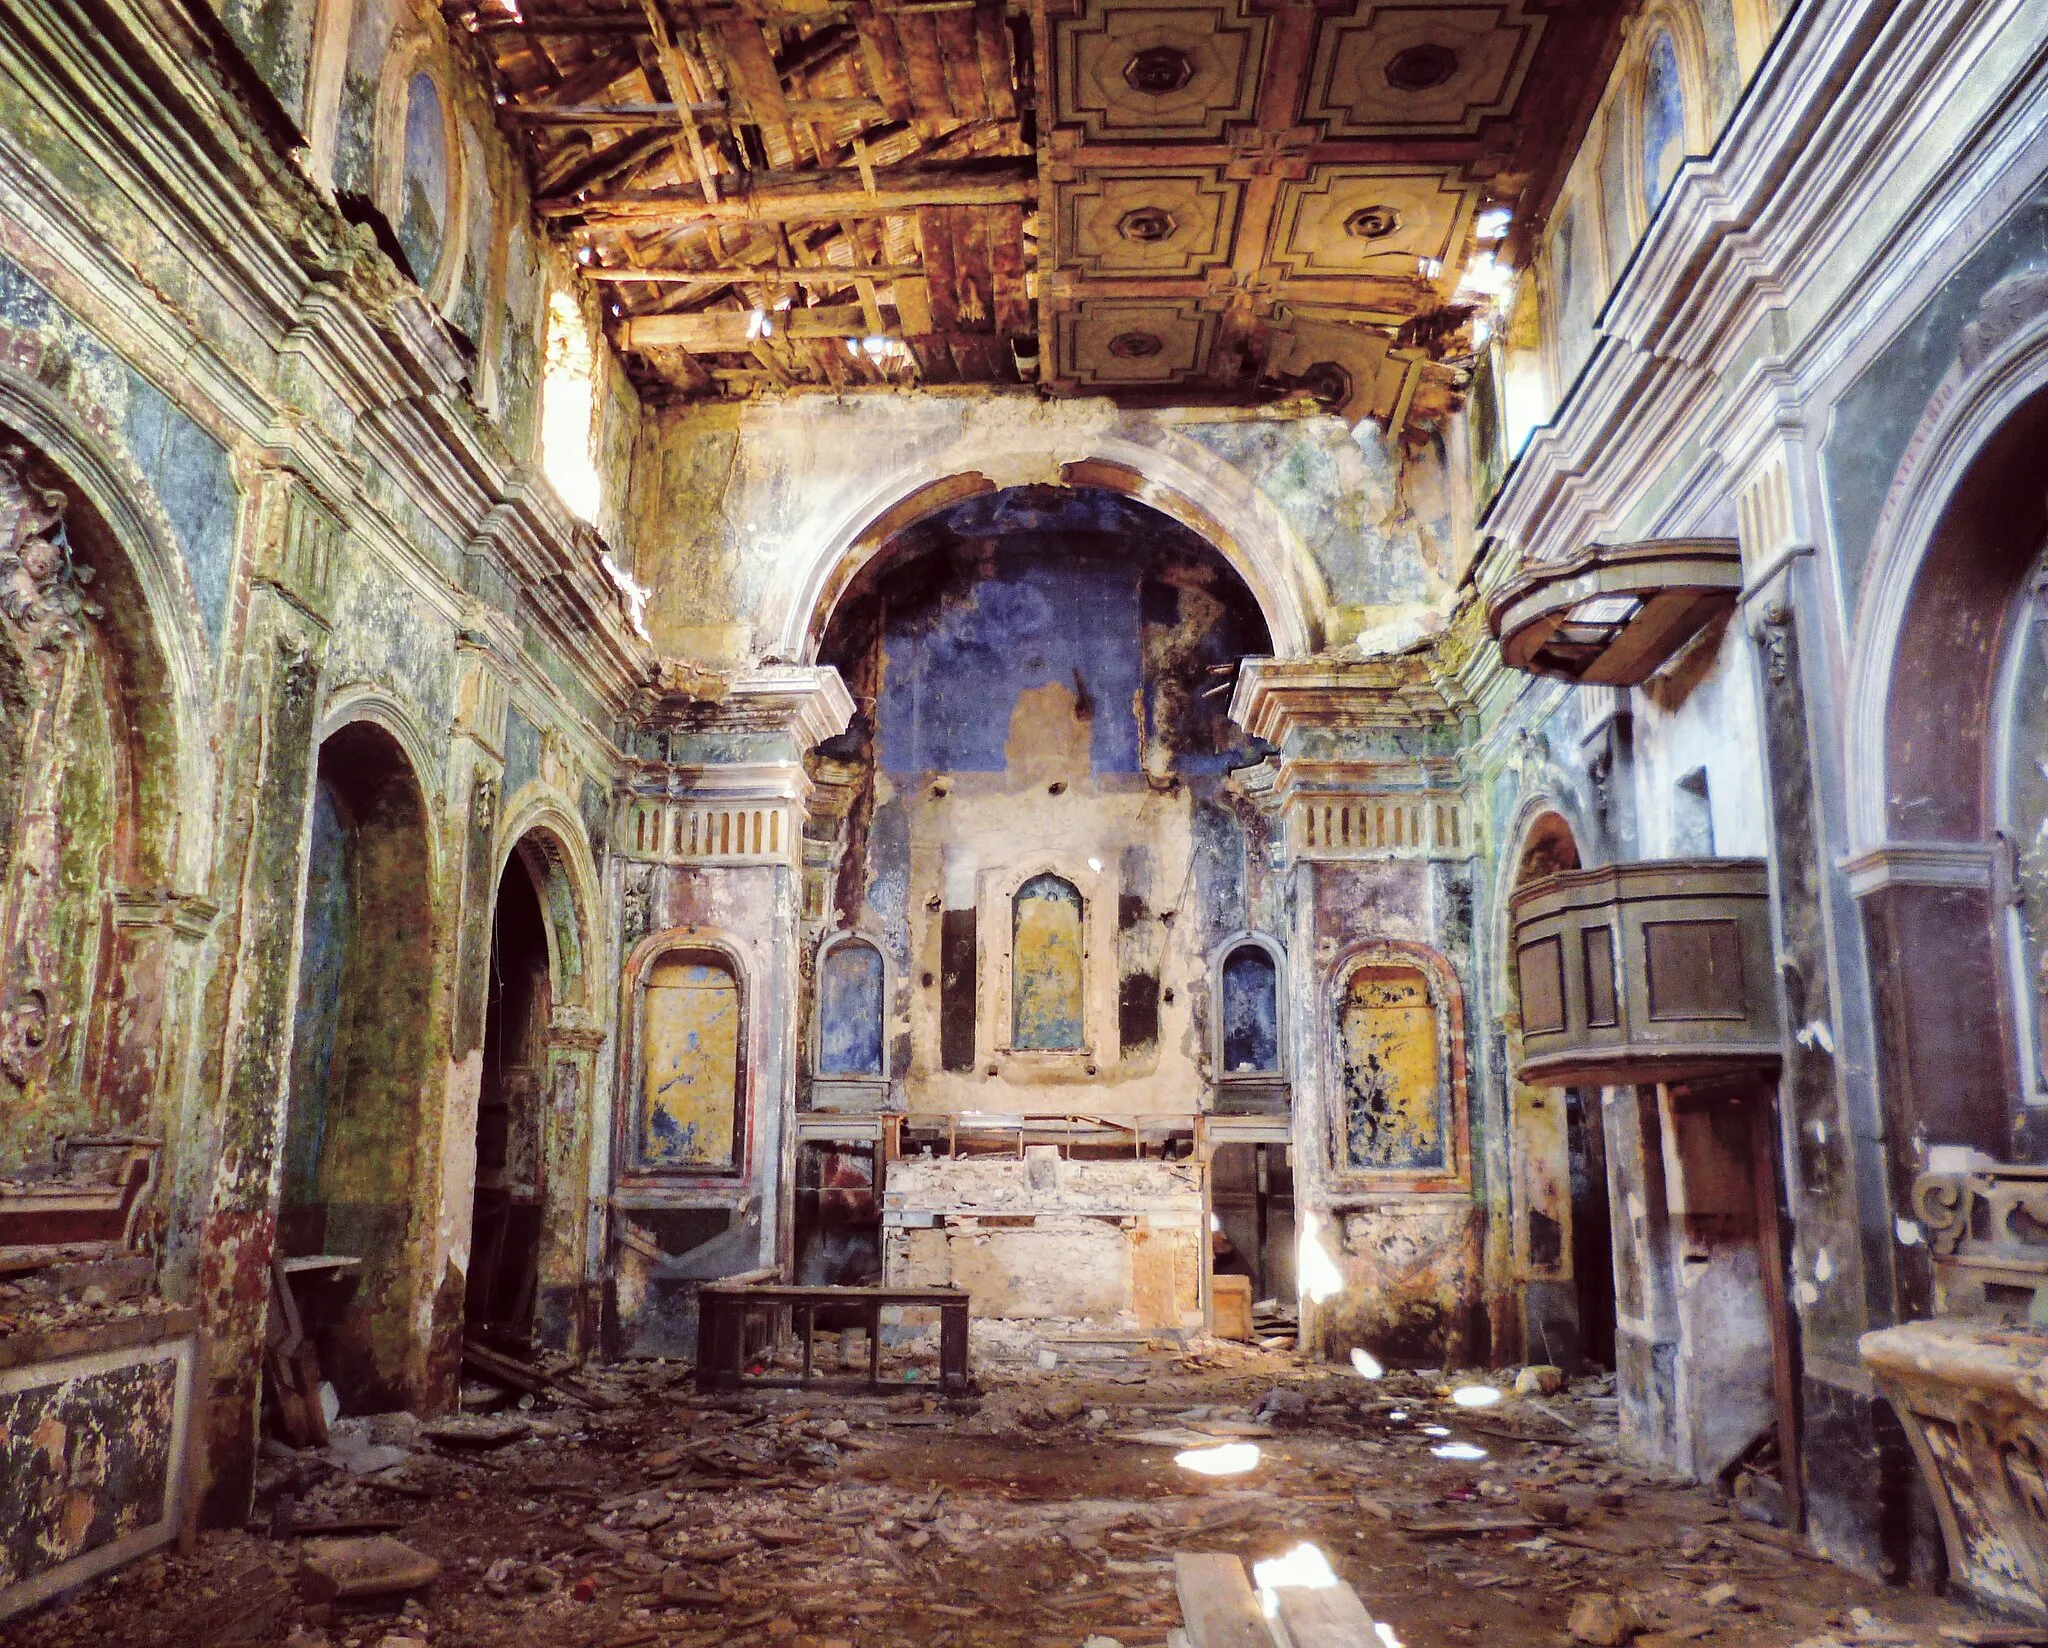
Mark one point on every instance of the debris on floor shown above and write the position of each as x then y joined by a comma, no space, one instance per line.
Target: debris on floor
1052,1509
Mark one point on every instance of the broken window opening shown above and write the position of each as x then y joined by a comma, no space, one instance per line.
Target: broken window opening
568,413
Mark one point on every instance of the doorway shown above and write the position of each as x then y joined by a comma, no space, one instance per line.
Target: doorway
505,1223
362,1036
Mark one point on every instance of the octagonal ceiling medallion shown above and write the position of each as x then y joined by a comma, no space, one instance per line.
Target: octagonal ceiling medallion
1420,70
1372,220
1173,222
1141,70
1120,344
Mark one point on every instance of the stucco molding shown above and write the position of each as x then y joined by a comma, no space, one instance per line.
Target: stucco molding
1275,950
1966,412
541,827
1966,864
366,702
1448,997
120,496
1164,470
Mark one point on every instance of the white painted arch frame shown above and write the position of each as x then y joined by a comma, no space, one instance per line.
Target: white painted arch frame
1275,951
1174,476
1966,411
838,939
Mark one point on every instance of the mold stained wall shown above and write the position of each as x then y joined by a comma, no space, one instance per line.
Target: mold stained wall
353,532
736,507
1042,791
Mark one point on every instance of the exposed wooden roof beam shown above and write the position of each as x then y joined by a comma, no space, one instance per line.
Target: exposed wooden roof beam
760,274
678,114
800,196
728,331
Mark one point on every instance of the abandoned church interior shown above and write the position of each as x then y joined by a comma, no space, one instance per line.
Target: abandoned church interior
1023,823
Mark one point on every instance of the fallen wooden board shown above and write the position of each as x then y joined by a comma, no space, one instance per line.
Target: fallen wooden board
1332,1617
1217,1603
1452,1527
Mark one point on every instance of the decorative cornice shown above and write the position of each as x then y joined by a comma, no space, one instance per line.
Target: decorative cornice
1921,864
1276,699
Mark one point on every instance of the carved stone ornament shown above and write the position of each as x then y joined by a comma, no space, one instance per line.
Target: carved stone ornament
2005,309
1774,636
24,1031
483,804
42,588
1135,345
296,670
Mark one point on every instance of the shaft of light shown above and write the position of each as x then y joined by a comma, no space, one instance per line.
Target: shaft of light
1367,1364
1476,1396
1304,1568
1231,1459
1385,1633
1320,1277
1459,1450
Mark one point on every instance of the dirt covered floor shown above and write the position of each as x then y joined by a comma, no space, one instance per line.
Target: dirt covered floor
1043,1513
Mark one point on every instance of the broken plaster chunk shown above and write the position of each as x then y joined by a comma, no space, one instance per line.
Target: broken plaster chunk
477,1431
1540,1379
1603,1621
374,1566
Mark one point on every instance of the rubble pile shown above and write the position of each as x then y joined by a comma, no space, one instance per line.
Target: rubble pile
1044,1511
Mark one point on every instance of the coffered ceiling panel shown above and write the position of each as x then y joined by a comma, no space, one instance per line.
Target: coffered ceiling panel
1416,71
1366,220
1171,222
1125,345
1147,72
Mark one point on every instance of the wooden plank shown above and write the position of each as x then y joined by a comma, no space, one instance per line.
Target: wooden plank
765,274
918,43
1005,229
884,63
912,296
992,46
960,59
973,282
1330,1618
1764,1154
1216,1602
676,114
935,233
751,67
819,197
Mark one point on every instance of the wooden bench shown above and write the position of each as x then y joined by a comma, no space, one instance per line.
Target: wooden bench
723,1309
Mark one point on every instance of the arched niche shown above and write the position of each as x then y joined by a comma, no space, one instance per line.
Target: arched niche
93,783
357,1125
850,1042
1249,1024
686,1112
1183,483
1048,966
1949,876
1561,1233
1396,1071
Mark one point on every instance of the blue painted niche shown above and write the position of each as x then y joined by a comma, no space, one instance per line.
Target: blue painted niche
1251,1013
850,1010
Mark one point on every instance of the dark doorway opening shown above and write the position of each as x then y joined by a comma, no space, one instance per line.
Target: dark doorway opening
1592,1227
1252,1197
504,1254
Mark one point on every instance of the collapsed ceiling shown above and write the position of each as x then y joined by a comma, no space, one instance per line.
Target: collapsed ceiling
1186,201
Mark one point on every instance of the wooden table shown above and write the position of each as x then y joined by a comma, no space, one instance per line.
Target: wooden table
723,1307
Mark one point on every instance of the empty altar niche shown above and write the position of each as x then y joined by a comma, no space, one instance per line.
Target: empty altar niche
685,833
1369,826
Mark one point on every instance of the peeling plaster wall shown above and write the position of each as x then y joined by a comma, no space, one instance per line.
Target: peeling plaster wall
741,513
302,509
1115,1244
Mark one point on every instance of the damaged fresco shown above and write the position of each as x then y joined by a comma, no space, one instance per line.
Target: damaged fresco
688,1116
1392,1088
